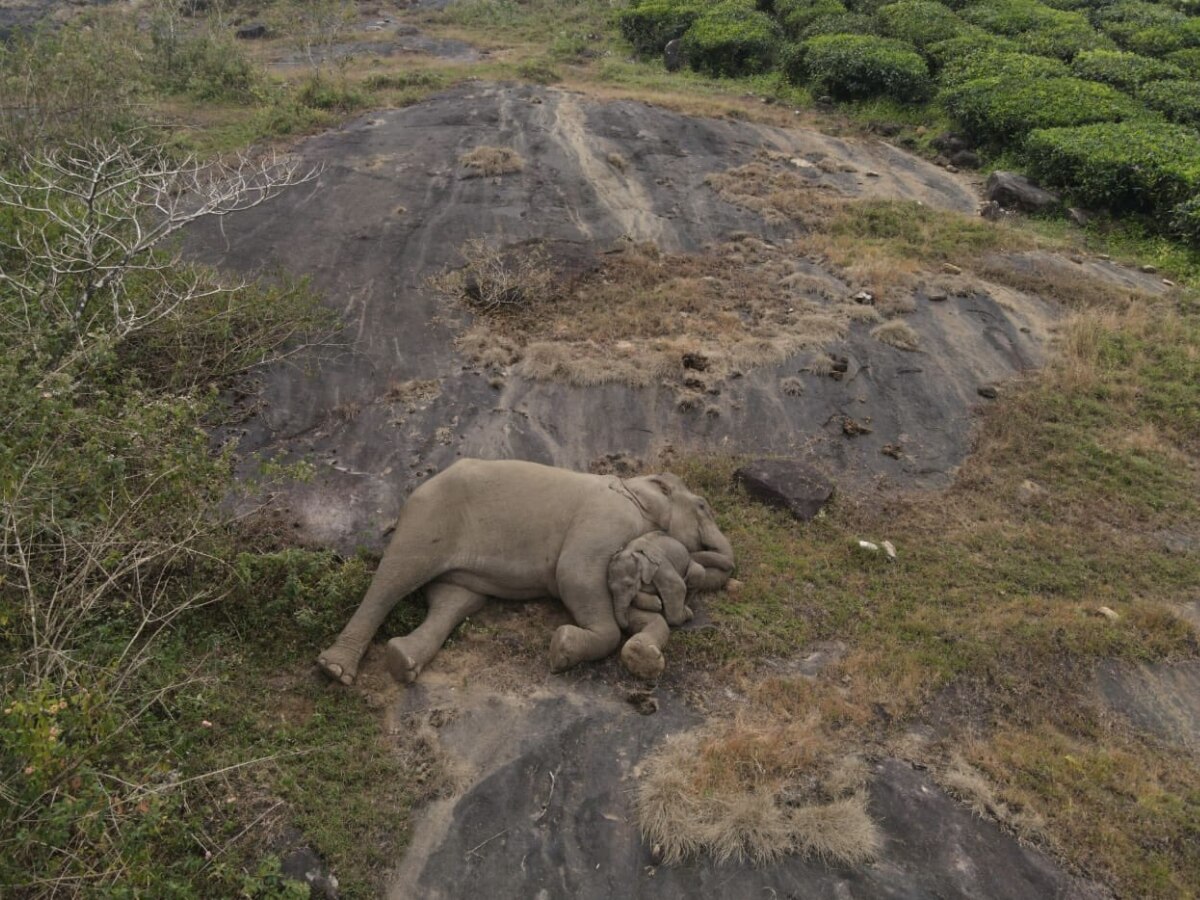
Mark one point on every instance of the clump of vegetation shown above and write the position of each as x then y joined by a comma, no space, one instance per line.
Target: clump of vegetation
1177,99
649,25
1122,70
491,161
732,38
1016,68
999,110
698,795
920,22
899,334
858,66
1128,166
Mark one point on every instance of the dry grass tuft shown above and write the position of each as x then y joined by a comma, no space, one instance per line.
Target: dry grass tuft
897,334
755,793
971,786
776,194
633,315
487,162
618,162
792,386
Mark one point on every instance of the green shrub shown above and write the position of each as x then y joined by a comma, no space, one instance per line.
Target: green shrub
797,15
1017,67
1012,17
1134,13
920,22
1164,39
1188,60
1177,99
330,94
651,24
1122,70
1000,110
207,65
732,38
971,42
1185,220
844,23
1138,166
1066,40
852,66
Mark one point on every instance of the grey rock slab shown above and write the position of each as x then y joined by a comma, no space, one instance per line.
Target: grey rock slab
548,813
786,483
1161,698
391,208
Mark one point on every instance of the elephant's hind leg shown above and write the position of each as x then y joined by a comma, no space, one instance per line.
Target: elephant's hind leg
448,606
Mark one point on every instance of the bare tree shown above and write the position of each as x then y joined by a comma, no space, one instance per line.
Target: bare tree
92,219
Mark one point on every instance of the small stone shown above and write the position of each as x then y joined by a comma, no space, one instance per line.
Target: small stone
853,428
890,549
864,298
868,545
921,130
951,168
1030,492
1103,256
1111,614
951,269
1077,259
254,32
988,392
733,586
991,210
1168,282
939,297
1149,269
1079,216
871,174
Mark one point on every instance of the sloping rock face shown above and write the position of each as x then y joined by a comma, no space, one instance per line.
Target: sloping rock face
391,209
549,814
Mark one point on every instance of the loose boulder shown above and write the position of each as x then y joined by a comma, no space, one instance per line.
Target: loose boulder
786,483
1013,191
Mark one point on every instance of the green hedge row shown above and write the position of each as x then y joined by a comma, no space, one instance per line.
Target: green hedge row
1122,69
1124,166
1001,110
732,38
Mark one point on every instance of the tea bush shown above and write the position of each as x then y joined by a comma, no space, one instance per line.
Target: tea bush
969,43
795,16
732,38
1121,69
1123,166
843,23
1017,67
1066,40
1012,17
851,66
650,25
920,22
1000,110
1177,99
1188,60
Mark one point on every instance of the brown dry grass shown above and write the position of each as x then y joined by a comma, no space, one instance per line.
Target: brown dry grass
898,334
488,162
635,314
756,791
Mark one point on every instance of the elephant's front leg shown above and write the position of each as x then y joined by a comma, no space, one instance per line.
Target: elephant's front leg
642,654
583,586
449,604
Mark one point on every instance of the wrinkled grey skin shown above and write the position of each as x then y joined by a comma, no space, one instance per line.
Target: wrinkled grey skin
517,531
654,563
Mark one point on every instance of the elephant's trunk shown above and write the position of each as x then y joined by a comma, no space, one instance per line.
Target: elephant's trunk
717,560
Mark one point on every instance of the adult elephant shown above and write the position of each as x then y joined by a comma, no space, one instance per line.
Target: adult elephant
518,531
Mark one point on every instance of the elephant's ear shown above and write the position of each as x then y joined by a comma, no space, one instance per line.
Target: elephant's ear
647,567
653,494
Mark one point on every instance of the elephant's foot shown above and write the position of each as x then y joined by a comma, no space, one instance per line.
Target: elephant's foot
565,648
339,663
642,659
402,662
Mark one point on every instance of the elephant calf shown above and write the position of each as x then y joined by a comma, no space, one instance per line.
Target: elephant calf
655,563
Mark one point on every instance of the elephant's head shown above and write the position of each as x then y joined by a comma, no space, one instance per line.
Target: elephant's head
689,519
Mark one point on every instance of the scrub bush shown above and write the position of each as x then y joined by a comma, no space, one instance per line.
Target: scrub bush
1001,110
797,15
852,66
920,22
1125,166
1017,67
1177,99
650,25
1122,70
732,38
